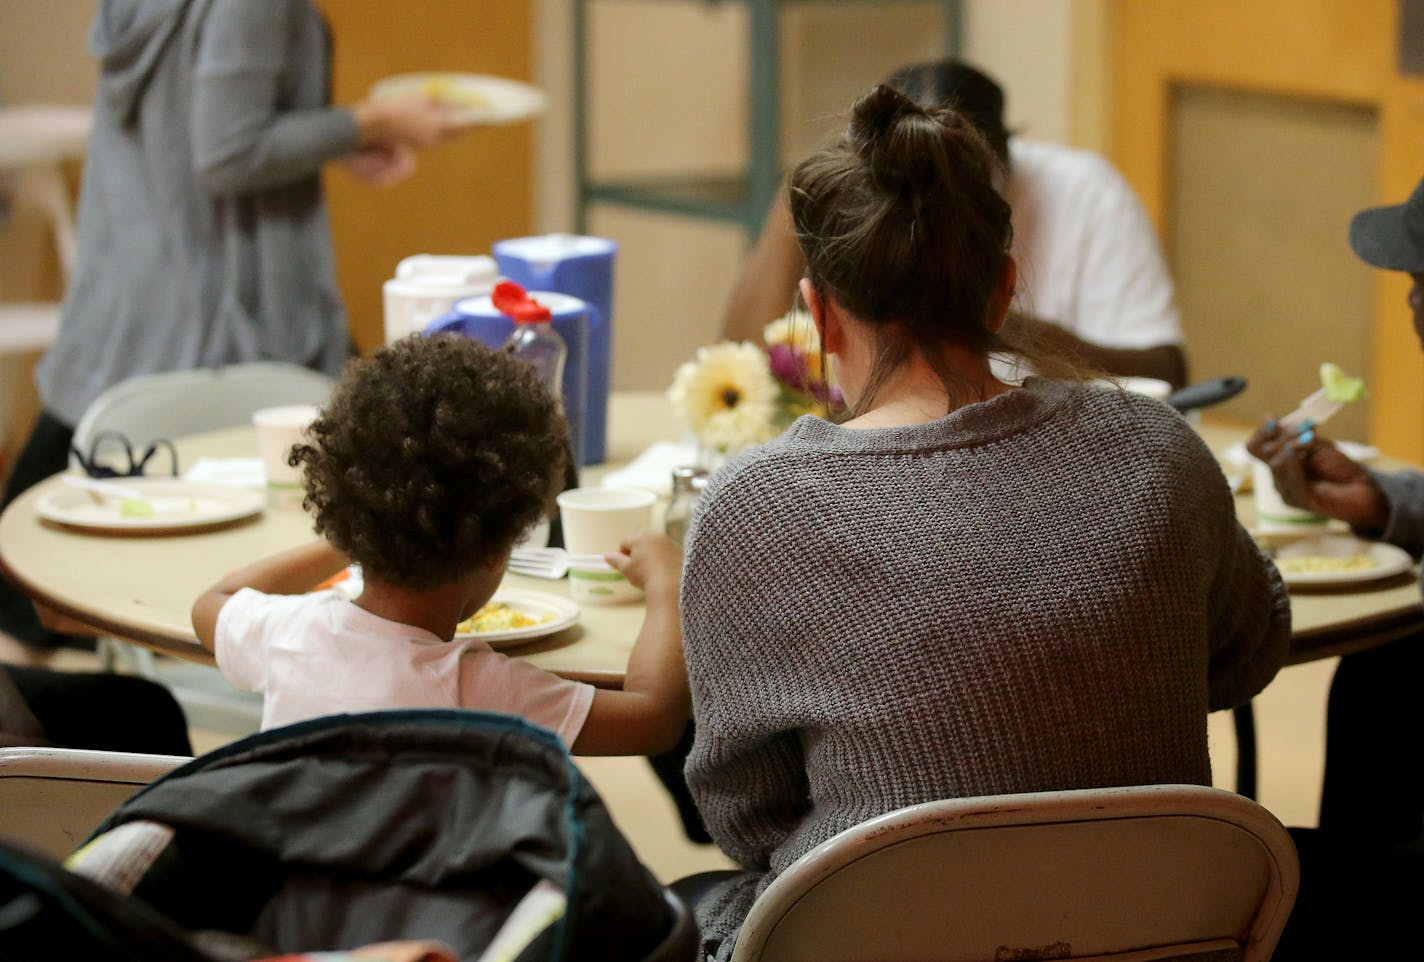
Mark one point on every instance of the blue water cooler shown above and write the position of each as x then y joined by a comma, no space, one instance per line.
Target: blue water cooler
583,268
478,318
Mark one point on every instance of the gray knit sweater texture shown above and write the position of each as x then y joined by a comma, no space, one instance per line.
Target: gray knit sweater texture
1046,590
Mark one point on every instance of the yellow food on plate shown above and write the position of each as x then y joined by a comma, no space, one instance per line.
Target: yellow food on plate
498,616
1323,564
450,91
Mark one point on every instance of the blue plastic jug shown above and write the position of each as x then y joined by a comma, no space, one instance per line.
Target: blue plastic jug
582,267
477,317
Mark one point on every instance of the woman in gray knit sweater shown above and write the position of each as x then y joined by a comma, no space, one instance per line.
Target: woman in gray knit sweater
966,587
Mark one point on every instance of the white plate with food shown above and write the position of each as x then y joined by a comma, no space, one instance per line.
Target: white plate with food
1339,560
477,98
143,505
513,617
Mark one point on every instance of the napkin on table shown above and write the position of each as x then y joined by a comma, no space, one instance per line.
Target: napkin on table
653,468
239,472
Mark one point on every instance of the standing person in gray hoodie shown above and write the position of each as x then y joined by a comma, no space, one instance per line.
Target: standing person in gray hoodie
203,236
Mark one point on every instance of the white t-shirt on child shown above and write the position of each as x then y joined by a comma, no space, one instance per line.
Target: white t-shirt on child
320,654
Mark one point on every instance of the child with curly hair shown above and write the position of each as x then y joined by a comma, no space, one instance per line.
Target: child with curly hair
432,459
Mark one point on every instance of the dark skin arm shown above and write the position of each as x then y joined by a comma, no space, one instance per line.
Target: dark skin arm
1311,473
650,713
1166,362
766,287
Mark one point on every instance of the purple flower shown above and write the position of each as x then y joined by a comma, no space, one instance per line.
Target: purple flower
791,368
787,366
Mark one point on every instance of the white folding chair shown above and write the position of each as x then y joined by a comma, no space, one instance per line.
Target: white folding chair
52,798
173,404
1121,874
176,403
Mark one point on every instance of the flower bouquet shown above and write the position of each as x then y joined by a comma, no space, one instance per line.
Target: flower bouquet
733,396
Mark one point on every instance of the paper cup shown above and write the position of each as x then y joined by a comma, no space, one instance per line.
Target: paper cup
595,521
277,430
1271,511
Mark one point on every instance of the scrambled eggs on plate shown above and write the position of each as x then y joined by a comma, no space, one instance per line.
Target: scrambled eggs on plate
499,616
1311,564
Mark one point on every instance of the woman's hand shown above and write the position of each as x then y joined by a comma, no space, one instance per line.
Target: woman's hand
1312,473
652,562
411,122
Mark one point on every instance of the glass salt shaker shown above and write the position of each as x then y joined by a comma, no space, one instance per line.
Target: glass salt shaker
687,484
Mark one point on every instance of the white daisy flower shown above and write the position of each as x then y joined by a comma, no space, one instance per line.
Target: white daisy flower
727,396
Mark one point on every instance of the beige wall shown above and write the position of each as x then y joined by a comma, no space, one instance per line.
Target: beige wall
1267,285
1026,46
43,60
669,96
42,51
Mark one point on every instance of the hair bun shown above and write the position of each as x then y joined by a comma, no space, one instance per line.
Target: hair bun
876,113
899,140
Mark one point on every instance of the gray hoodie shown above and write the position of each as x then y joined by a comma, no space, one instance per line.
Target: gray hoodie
203,238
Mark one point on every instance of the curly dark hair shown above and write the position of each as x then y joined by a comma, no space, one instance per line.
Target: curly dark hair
433,457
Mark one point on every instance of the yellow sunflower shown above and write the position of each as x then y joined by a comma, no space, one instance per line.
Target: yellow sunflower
727,396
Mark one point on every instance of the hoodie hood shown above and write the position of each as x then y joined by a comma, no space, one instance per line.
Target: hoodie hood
129,37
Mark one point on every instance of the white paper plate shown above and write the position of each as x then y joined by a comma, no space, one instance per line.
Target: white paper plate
478,98
1388,560
1284,532
178,505
565,614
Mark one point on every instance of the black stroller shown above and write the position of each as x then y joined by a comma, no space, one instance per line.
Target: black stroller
468,828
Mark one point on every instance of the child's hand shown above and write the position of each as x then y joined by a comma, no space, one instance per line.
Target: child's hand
652,562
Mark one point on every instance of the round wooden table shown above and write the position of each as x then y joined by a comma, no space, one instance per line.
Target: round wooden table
140,588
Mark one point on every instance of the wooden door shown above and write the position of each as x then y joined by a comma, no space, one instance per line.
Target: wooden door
1337,53
465,195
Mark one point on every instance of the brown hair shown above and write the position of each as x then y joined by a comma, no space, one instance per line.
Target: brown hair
900,222
433,456
954,83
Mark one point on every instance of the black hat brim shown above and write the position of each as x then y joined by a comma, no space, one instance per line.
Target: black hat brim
1381,236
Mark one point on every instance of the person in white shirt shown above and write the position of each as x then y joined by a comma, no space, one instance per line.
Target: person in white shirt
1093,285
432,459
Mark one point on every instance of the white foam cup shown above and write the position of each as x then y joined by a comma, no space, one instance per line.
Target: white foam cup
1271,511
595,522
277,430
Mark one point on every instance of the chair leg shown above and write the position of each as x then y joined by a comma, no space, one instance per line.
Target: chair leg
1245,718
109,654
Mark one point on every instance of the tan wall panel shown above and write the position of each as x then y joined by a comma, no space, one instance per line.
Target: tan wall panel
467,194
668,295
1329,50
43,60
1267,285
